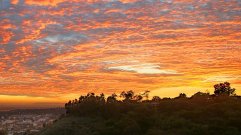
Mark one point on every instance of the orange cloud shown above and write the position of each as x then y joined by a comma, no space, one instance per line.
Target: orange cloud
35,33
44,2
5,36
128,1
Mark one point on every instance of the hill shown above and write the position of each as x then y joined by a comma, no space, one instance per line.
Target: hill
201,114
220,116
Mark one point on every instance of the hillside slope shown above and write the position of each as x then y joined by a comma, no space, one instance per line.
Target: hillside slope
71,125
170,117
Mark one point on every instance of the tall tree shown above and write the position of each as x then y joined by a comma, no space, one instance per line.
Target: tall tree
223,89
129,95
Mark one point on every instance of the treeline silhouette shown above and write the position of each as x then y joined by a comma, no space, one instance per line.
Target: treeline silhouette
136,114
92,103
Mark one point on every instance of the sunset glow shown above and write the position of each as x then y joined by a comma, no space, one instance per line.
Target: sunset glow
54,50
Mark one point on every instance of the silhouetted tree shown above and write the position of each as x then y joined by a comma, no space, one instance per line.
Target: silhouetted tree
102,95
127,95
223,89
112,98
68,106
200,95
182,95
138,98
146,94
91,94
156,99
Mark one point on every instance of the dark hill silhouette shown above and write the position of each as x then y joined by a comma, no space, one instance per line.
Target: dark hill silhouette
134,114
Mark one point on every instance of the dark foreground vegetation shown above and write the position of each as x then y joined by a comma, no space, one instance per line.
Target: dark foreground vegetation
200,114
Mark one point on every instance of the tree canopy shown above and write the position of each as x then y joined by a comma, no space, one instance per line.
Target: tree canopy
224,89
134,114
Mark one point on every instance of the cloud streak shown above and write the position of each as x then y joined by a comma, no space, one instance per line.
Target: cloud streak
145,68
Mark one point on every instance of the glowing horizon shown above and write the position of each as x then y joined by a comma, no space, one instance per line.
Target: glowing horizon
55,50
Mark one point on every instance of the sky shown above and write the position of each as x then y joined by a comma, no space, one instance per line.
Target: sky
55,50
